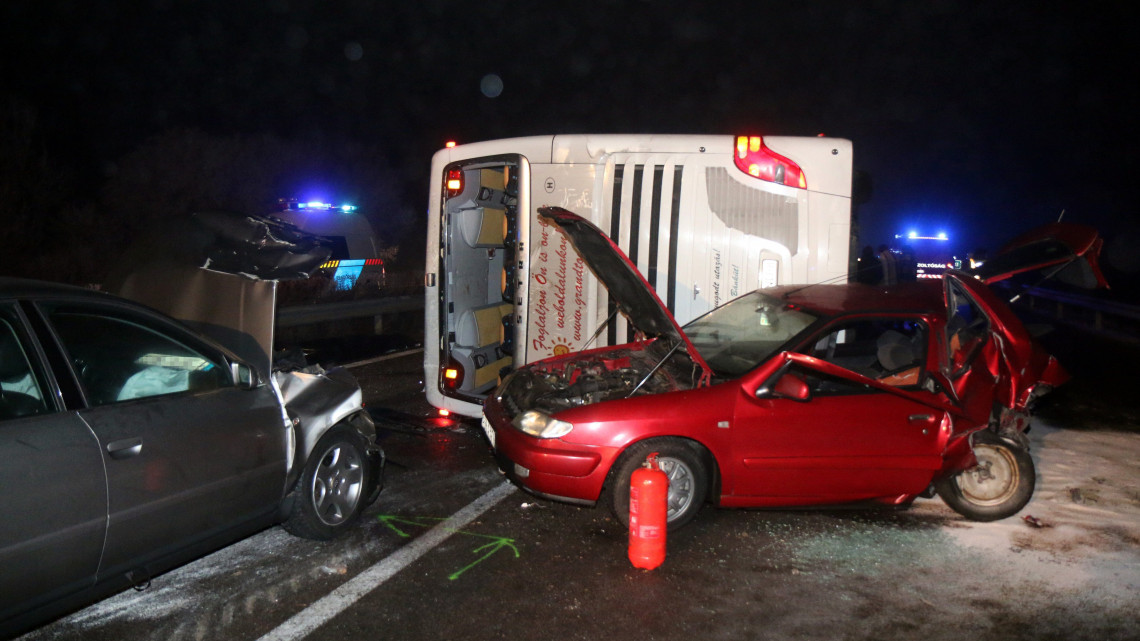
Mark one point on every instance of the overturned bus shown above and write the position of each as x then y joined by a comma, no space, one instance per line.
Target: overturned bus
704,218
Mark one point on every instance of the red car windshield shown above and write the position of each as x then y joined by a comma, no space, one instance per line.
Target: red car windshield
739,335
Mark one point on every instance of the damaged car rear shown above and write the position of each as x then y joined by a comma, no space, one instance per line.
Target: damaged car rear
792,396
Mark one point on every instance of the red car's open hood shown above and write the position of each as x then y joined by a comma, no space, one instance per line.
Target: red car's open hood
1073,249
633,295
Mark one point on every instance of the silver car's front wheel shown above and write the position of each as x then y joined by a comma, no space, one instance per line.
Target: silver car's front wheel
330,494
337,483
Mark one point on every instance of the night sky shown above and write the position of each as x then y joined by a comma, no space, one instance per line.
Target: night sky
980,119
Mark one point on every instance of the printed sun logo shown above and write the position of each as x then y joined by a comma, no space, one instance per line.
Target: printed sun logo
561,347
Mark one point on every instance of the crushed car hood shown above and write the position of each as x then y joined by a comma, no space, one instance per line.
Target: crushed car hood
633,295
256,247
1071,250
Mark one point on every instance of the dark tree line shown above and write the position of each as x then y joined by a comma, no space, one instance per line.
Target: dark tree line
58,229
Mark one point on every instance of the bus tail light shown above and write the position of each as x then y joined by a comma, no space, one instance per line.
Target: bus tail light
757,160
452,374
454,182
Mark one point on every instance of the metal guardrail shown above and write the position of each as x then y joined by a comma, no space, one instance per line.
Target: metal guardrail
298,315
1119,320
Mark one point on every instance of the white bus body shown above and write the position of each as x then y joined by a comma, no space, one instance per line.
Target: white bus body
705,219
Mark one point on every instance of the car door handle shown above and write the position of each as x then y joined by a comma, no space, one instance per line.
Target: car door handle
925,418
125,448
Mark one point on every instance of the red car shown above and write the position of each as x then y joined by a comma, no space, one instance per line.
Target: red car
794,396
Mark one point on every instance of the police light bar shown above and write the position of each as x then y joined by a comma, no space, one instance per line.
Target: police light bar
316,205
913,235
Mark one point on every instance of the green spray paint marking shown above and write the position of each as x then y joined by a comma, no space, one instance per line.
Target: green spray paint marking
497,542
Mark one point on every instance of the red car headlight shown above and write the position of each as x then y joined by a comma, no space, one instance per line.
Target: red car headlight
540,425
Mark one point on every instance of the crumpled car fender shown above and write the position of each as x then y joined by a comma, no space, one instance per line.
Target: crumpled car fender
958,456
317,402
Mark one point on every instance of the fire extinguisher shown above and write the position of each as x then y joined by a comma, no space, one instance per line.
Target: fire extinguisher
648,514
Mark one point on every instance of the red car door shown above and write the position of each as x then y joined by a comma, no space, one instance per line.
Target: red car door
848,439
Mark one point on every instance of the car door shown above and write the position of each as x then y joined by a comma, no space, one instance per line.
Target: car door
863,427
54,493
188,454
973,358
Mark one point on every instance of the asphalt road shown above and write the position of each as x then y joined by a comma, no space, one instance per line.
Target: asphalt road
450,552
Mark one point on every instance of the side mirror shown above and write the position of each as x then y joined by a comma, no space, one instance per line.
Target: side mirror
245,376
791,386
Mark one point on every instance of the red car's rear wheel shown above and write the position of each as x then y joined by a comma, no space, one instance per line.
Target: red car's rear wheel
997,487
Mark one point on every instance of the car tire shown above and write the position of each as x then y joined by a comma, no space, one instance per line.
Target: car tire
686,465
376,479
334,487
998,487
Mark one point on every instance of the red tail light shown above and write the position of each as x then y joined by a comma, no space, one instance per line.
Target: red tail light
454,182
755,159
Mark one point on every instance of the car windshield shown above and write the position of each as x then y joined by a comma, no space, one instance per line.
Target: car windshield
741,334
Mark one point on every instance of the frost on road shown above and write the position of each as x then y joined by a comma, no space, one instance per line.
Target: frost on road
1071,571
1067,566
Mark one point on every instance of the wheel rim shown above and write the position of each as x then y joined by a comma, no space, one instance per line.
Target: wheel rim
995,478
337,484
682,485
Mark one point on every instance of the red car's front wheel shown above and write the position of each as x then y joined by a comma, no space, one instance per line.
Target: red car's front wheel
684,462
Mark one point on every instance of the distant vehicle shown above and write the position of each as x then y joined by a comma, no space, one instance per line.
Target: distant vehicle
130,444
794,395
355,262
705,218
923,256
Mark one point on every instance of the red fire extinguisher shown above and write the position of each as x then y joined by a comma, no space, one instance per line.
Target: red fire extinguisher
648,514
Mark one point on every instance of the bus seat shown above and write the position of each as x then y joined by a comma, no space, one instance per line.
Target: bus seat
483,227
490,373
478,346
494,178
481,326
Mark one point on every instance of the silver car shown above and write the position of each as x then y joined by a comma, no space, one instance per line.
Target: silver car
130,444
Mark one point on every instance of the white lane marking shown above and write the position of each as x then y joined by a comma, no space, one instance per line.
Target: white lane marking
339,600
386,357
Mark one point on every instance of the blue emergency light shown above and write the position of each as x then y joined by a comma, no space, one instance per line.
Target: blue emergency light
913,235
317,205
